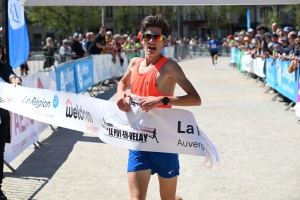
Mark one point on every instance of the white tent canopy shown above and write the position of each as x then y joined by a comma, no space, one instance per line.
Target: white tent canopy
151,2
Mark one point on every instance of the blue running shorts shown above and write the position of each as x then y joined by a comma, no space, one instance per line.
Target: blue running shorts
165,165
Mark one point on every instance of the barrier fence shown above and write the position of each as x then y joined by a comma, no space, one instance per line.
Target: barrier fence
274,73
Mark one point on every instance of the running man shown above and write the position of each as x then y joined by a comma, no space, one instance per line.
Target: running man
213,45
154,78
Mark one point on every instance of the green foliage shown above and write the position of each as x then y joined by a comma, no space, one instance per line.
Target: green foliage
270,17
66,19
125,17
216,16
295,11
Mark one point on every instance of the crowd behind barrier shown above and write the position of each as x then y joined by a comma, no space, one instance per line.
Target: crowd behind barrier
76,76
273,72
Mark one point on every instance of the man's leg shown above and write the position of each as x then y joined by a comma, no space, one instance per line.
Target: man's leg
216,58
167,188
138,184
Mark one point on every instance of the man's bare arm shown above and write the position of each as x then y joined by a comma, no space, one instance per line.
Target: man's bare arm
122,87
192,97
100,46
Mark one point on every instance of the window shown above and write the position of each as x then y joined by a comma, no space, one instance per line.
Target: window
109,11
264,11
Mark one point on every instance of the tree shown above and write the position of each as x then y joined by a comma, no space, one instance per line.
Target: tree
294,10
270,17
66,19
125,17
216,16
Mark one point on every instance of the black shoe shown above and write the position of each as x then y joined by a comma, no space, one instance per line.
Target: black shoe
2,196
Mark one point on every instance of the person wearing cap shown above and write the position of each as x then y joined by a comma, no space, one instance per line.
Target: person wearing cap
271,48
261,30
251,33
99,42
77,47
65,51
286,31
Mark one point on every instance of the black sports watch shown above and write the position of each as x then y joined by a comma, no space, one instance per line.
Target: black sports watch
165,100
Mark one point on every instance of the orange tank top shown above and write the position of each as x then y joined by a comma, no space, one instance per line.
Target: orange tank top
145,84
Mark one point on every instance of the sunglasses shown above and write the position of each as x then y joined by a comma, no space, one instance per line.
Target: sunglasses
154,37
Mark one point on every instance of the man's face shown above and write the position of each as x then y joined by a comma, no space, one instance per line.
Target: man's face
66,45
274,39
291,40
102,31
76,38
153,47
284,42
274,26
80,37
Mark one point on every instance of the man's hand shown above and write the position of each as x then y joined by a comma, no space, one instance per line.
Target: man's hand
122,103
148,103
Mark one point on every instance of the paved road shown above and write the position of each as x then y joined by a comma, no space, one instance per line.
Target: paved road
257,140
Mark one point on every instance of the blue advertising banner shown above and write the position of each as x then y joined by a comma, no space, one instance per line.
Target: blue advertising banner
287,83
17,34
270,71
84,74
65,77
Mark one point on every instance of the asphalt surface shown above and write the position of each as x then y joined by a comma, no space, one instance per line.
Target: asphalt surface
258,143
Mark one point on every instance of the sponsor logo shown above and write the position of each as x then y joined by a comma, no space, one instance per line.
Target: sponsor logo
138,134
37,102
77,112
79,75
55,101
15,14
62,82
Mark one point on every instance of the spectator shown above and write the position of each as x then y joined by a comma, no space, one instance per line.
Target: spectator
89,41
65,52
286,31
48,53
70,39
99,42
77,47
82,41
24,67
118,47
274,27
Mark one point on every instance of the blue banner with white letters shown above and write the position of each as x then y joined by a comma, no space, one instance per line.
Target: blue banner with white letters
286,83
17,34
270,71
84,75
65,77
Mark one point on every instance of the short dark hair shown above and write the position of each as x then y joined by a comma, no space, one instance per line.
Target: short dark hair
156,21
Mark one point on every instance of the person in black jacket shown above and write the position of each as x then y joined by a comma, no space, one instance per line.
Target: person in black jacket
7,74
77,47
48,53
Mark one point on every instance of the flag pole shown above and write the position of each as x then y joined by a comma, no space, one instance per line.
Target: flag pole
6,32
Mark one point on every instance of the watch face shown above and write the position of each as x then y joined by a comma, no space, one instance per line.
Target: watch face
165,100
